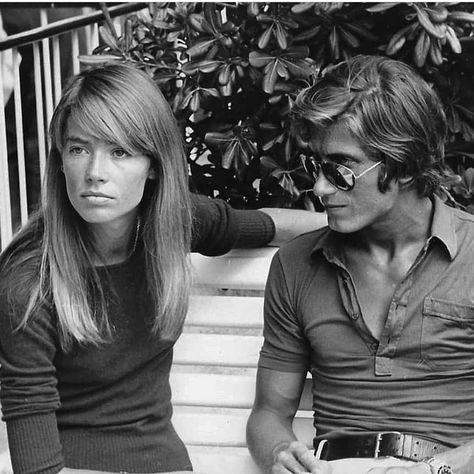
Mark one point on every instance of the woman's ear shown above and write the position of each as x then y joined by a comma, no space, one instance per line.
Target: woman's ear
151,174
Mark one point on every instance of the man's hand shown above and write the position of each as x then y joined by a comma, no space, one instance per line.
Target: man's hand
298,459
417,468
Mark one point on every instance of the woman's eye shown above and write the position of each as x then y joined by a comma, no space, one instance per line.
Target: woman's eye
76,150
120,153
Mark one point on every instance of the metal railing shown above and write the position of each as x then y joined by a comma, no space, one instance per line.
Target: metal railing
24,117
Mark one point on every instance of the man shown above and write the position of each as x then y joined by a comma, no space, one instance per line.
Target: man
378,306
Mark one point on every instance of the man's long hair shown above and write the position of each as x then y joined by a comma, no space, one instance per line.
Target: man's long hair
119,104
394,113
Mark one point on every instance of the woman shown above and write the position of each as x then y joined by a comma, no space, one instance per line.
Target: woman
94,289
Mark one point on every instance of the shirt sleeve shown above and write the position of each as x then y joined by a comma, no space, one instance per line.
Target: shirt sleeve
217,227
29,395
285,346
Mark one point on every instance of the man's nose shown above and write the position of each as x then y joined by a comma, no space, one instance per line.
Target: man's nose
323,187
96,167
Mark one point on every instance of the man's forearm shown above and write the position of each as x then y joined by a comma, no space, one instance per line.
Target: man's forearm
267,435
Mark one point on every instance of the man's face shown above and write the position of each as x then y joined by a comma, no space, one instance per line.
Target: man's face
363,206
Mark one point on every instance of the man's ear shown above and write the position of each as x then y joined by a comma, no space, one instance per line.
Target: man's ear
406,181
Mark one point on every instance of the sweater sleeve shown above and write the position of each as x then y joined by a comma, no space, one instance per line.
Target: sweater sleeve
29,395
217,227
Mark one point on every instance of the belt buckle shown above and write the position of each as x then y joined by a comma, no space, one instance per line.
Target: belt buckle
378,440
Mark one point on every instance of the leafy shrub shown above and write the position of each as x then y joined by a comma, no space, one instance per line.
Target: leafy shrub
231,72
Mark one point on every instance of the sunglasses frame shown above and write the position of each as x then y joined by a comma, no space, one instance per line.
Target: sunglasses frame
329,169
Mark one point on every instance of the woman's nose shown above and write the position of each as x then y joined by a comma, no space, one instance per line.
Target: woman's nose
323,187
96,167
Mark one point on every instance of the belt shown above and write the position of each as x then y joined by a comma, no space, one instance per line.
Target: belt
391,443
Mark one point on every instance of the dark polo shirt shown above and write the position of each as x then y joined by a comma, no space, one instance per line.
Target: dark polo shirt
419,377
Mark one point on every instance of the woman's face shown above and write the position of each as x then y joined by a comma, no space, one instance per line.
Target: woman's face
104,183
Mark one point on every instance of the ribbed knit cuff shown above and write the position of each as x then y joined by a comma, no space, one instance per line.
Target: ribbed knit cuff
34,444
256,228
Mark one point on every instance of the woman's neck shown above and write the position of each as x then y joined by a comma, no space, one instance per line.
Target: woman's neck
115,245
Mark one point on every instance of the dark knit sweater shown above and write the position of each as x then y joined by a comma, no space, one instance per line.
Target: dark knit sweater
104,408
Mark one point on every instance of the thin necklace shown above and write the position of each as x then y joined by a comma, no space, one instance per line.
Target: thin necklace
135,240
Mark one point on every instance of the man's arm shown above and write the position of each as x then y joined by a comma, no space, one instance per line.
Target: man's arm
290,223
270,435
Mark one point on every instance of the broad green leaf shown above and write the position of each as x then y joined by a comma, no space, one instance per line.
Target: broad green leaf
278,173
299,68
264,18
195,102
200,48
265,38
307,34
468,178
230,153
224,74
280,35
270,75
217,138
96,59
349,38
162,25
269,163
274,99
213,16
205,66
108,38
382,7
468,114
259,59
282,71
300,52
226,89
196,21
287,183
271,143
288,22
253,9
361,31
302,7
211,91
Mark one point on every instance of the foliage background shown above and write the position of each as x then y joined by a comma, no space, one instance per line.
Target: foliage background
231,71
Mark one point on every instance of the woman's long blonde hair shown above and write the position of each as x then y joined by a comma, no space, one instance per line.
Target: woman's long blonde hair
120,104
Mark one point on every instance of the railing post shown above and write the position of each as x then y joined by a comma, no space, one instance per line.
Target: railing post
39,109
5,205
20,149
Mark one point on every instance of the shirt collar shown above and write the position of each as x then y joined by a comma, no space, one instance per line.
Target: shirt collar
442,229
327,244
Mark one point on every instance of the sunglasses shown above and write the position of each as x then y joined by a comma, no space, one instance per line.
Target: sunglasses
340,176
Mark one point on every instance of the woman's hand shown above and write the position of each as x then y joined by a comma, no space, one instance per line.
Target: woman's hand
5,463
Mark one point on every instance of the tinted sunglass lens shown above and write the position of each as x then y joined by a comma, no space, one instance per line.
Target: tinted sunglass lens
334,176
